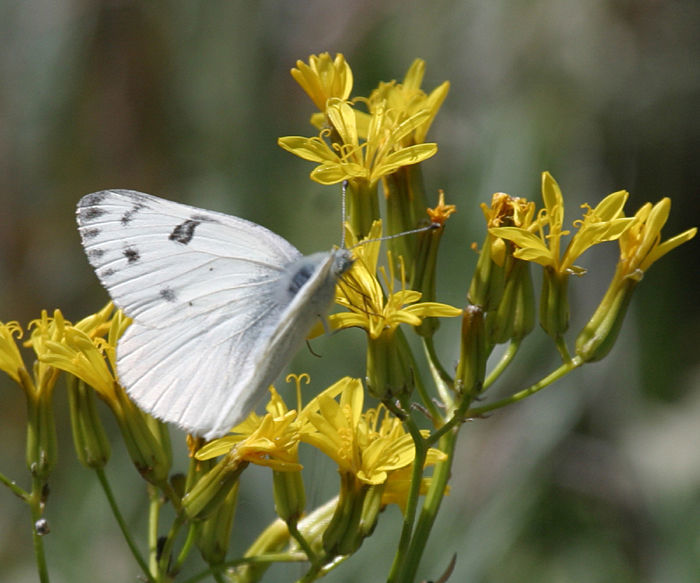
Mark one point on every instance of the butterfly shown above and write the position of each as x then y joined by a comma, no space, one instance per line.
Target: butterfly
219,304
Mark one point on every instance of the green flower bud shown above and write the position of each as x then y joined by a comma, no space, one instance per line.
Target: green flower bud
405,207
42,449
600,333
554,303
515,317
289,494
471,369
388,365
215,531
488,281
89,438
146,439
213,488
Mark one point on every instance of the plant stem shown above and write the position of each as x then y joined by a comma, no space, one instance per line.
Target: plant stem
433,499
563,370
12,485
153,514
101,476
506,359
36,505
412,500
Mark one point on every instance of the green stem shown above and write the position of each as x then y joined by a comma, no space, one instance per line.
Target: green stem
16,490
303,543
153,515
167,548
563,370
101,476
412,501
36,505
563,348
506,359
431,505
185,550
443,381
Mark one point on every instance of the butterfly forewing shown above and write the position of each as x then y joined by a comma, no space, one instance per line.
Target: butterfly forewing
203,290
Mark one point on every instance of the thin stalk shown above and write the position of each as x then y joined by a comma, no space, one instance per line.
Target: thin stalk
185,550
122,524
303,543
16,490
506,359
443,381
563,370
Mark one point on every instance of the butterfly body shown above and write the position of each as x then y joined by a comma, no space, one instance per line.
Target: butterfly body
219,304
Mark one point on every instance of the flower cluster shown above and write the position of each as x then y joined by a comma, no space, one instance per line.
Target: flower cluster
391,436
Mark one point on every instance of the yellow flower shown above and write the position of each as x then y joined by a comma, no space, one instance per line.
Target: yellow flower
398,483
10,359
369,445
606,222
270,440
324,78
348,158
506,211
640,245
362,294
403,100
81,351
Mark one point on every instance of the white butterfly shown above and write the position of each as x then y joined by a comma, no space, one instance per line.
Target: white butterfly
219,304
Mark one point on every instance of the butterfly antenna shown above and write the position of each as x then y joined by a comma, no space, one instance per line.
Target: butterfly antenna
429,227
343,190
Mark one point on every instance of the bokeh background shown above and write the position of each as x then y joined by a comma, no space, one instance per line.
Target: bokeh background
596,479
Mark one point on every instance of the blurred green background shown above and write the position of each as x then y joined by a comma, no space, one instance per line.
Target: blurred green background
594,480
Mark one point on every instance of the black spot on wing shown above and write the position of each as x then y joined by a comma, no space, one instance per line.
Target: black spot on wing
204,219
95,253
184,232
168,294
90,233
105,273
90,213
131,213
93,199
132,254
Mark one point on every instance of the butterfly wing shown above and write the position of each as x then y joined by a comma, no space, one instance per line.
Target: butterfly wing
203,290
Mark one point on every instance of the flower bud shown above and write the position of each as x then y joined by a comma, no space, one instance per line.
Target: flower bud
488,281
42,449
471,369
600,333
423,279
388,365
146,439
554,303
515,317
213,488
405,207
215,531
89,438
289,494
355,516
